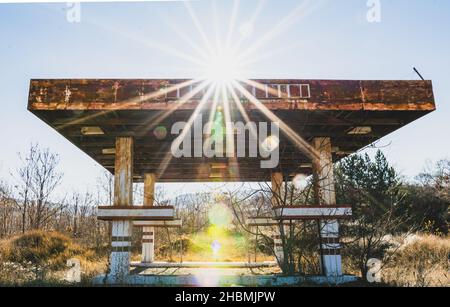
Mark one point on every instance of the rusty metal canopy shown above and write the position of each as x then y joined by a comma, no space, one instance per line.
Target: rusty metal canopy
92,113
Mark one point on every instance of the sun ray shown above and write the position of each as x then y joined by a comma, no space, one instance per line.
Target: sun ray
270,54
301,11
223,67
229,134
177,142
232,23
212,113
169,22
297,140
163,91
227,64
198,26
82,119
164,163
242,111
159,117
216,25
126,103
173,51
251,21
194,115
263,87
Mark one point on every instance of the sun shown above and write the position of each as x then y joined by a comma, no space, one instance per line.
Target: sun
223,67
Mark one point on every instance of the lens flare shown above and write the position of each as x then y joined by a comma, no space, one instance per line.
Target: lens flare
207,277
216,246
223,67
160,132
246,29
271,143
300,182
220,216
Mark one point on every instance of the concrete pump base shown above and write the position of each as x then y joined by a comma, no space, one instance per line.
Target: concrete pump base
225,265
210,280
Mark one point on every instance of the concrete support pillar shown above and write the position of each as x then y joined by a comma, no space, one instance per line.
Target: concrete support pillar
277,197
324,192
277,184
123,196
148,233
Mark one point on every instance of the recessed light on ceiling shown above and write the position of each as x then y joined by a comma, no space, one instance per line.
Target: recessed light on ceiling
108,151
360,130
215,175
92,131
217,166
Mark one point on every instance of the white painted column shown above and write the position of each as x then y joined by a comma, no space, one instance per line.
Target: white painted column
148,233
278,247
277,183
324,191
123,196
120,249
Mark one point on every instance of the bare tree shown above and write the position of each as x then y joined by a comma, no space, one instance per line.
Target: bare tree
298,239
7,211
37,178
193,209
437,177
106,187
80,208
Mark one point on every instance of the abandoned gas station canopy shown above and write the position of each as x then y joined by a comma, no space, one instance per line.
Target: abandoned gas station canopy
91,113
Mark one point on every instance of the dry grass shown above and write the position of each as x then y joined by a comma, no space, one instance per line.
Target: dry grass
39,258
421,262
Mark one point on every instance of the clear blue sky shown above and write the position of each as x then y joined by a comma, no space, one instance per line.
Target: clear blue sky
118,40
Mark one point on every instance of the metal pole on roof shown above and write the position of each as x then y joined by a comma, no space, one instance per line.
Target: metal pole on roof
417,72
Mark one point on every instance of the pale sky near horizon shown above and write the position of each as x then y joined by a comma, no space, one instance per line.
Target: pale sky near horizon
320,40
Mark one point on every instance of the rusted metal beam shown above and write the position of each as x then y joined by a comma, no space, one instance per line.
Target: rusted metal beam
84,94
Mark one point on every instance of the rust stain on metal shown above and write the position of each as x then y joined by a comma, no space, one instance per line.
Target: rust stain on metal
324,95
